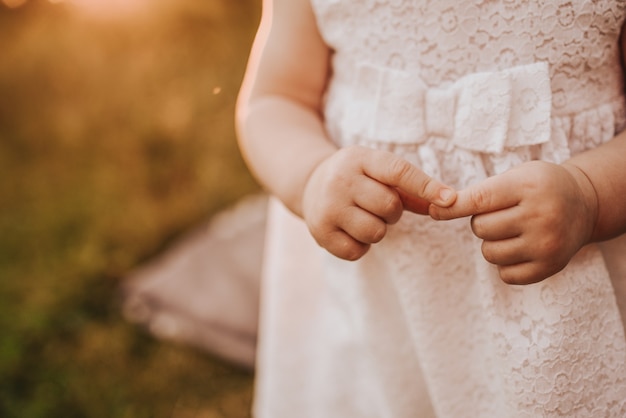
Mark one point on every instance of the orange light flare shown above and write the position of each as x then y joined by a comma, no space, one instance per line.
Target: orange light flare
96,8
13,4
108,8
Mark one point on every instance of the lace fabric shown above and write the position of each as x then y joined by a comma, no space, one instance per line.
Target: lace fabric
422,325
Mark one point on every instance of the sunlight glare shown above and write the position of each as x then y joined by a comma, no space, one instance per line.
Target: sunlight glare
105,8
12,4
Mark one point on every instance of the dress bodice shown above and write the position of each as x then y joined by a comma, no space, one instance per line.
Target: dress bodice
442,40
392,61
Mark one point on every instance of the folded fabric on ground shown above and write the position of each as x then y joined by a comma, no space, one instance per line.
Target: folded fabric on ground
204,290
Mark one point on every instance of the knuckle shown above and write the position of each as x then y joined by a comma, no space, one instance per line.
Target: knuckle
392,208
400,169
439,214
353,251
508,276
488,252
345,247
478,227
322,237
378,232
479,198
424,185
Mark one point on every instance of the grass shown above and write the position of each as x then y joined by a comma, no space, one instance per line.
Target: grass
115,137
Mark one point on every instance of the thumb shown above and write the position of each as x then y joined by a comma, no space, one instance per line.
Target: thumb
493,194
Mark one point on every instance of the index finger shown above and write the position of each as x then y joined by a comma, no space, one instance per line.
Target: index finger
493,194
395,171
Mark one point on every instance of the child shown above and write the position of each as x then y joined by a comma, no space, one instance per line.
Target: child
363,116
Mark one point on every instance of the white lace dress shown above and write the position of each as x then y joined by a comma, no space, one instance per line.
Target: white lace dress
422,326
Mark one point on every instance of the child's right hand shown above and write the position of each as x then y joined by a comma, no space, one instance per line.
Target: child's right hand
353,195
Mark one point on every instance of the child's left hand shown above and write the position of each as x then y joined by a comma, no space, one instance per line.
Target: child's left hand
532,219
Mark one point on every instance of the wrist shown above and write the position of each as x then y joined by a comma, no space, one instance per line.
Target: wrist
299,201
588,198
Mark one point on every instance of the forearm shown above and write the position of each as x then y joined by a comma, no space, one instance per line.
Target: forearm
605,168
279,125
282,142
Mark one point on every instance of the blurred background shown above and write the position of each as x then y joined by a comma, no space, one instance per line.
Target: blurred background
116,137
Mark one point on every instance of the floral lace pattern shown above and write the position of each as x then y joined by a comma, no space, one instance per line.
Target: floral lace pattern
463,90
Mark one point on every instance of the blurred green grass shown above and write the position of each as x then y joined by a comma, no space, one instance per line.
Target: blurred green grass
116,136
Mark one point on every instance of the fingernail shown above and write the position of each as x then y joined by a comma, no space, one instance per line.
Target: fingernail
446,195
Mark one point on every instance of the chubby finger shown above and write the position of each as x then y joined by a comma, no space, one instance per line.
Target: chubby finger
395,171
505,252
525,273
492,194
342,245
362,225
379,200
498,225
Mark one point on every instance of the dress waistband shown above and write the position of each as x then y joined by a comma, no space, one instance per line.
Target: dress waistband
502,117
481,112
